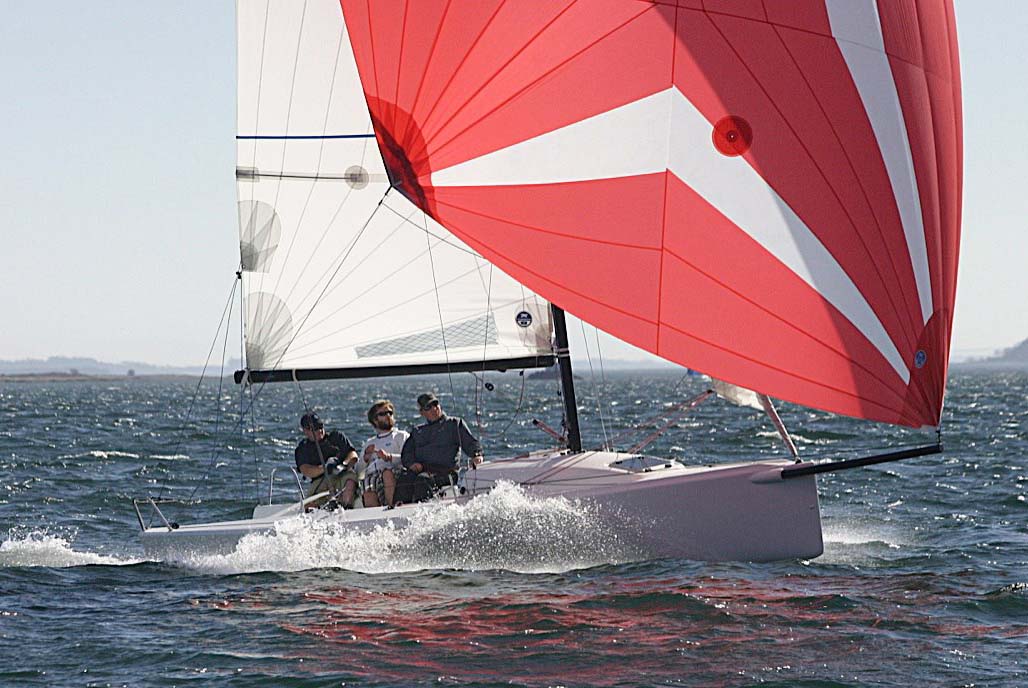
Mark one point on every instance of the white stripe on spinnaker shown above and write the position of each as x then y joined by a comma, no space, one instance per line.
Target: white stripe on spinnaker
575,153
629,140
733,187
857,29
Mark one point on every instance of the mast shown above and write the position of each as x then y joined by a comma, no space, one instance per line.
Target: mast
567,380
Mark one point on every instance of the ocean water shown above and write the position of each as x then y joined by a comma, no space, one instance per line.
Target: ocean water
924,579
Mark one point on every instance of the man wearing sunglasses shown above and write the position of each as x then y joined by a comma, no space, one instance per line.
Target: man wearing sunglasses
381,454
433,449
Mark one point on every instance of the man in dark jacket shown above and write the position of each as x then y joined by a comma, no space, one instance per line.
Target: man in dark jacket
433,449
327,459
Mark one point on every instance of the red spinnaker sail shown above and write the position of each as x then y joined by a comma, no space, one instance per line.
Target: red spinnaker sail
765,191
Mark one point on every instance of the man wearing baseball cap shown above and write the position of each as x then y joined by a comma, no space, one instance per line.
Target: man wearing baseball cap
433,449
328,460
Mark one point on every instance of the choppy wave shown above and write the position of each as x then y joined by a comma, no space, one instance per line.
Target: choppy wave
505,529
920,583
42,548
107,454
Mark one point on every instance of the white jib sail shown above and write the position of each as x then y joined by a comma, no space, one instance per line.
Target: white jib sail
338,273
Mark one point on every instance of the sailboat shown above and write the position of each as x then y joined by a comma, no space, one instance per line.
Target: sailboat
768,193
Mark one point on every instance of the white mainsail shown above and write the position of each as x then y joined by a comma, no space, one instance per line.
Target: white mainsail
339,271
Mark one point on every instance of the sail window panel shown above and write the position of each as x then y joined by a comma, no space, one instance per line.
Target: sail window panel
270,330
473,332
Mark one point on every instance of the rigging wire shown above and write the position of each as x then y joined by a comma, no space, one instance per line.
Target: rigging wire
439,307
637,429
199,383
217,418
603,372
485,349
672,418
203,372
519,407
429,232
314,305
303,397
243,390
599,355
255,395
597,388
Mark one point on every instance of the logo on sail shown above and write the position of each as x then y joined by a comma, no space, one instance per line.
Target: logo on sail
523,319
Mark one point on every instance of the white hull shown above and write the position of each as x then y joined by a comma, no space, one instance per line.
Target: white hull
726,512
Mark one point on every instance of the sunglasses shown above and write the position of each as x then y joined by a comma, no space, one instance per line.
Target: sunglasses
383,413
431,405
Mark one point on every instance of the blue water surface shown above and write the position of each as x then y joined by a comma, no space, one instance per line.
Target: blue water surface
923,580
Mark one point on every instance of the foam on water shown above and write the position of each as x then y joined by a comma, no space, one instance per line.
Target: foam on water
861,542
505,529
42,548
108,454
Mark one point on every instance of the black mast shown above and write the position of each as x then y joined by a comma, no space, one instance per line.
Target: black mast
567,380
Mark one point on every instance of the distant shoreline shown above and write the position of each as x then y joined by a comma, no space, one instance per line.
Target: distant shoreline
963,366
989,364
79,377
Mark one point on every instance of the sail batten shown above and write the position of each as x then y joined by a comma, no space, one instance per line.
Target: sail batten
771,197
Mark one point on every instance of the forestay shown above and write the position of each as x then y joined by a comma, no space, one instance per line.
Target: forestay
340,277
768,192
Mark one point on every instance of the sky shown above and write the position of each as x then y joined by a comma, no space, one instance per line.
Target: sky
118,228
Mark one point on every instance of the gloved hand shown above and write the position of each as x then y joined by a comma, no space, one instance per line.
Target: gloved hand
333,467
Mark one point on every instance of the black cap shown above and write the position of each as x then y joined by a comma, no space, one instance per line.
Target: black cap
425,400
310,421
